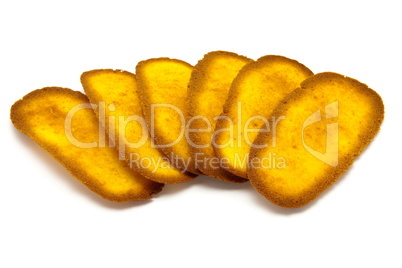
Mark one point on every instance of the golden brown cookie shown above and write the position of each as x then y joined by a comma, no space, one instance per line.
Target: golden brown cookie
162,84
208,89
115,92
254,94
63,123
327,124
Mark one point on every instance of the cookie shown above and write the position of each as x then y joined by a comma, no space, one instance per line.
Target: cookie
115,92
327,123
162,85
254,94
63,123
207,92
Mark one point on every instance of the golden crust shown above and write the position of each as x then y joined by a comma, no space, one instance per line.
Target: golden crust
258,88
119,88
210,83
361,112
166,83
41,116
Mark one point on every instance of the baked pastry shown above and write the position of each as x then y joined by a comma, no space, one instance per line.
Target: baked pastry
327,124
115,92
63,123
254,94
162,85
207,92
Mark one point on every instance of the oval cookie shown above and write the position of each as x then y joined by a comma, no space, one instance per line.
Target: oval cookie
327,124
63,123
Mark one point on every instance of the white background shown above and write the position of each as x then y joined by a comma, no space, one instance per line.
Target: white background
48,219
